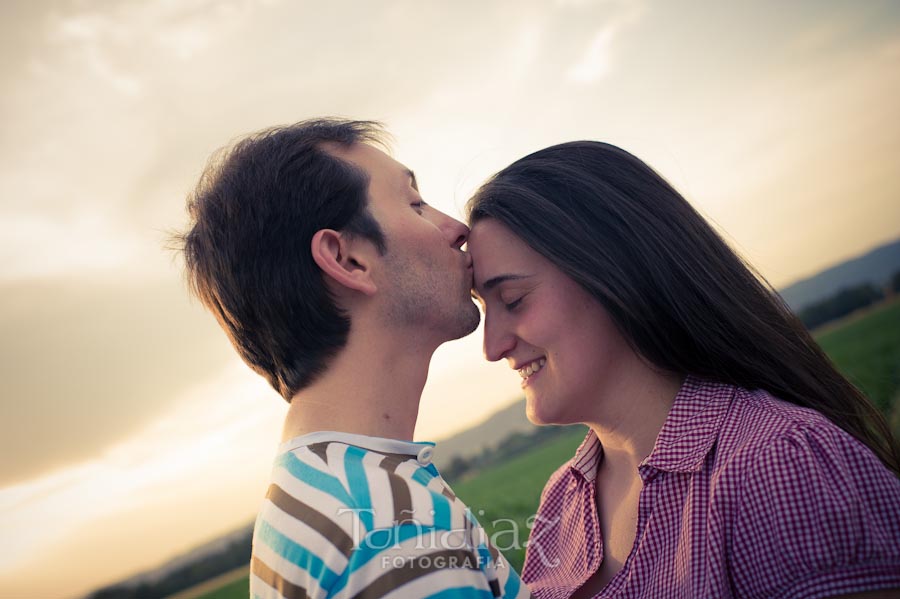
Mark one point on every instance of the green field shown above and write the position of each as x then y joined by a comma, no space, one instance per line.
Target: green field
238,589
508,493
865,347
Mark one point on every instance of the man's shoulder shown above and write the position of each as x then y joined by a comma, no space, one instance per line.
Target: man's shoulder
381,488
338,515
307,472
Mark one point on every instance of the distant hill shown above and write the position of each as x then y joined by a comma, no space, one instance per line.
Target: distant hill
490,433
875,267
157,575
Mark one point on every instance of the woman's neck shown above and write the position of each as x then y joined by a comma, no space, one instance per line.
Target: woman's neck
631,416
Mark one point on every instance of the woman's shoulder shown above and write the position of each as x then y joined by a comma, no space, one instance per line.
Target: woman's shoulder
773,442
756,421
785,477
792,480
773,415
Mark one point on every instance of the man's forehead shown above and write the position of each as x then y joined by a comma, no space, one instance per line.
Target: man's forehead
374,161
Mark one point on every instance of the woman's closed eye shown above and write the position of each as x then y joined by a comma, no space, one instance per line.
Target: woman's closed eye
512,304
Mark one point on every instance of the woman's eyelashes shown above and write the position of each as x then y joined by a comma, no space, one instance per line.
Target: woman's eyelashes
512,305
511,297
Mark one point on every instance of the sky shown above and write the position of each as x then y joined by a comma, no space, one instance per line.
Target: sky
132,432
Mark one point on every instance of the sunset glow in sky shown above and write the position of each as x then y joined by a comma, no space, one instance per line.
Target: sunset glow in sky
130,430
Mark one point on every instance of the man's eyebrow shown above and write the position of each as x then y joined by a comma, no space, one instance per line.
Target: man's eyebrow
412,175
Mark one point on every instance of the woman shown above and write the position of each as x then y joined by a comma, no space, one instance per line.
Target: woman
726,456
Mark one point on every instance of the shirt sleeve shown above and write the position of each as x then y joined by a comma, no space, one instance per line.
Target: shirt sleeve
409,561
312,540
818,515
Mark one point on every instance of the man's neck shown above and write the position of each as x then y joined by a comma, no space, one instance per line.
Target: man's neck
368,389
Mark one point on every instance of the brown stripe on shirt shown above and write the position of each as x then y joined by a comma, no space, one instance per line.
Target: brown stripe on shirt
288,590
403,510
493,551
321,450
417,567
402,499
470,531
312,518
392,460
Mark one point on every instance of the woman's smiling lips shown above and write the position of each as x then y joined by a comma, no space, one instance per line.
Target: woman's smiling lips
530,369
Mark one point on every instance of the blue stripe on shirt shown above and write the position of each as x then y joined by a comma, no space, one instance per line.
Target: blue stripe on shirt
460,592
314,478
296,554
422,476
359,485
441,512
513,583
440,503
376,542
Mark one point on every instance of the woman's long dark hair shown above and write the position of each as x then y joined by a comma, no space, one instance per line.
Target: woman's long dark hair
683,299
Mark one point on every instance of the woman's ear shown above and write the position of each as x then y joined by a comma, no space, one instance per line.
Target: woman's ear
346,263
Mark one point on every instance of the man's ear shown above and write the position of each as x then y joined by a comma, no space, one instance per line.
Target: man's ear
343,261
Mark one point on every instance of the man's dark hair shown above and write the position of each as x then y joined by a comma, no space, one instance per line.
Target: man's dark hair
247,249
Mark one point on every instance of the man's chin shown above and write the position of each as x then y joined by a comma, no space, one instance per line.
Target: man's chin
469,320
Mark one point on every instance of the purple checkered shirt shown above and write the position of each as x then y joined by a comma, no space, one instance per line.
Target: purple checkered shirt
744,495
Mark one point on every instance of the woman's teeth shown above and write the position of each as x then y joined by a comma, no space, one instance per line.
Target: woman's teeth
531,368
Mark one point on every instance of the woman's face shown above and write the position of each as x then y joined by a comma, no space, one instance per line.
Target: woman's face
569,354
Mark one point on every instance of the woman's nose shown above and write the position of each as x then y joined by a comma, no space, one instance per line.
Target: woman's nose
498,342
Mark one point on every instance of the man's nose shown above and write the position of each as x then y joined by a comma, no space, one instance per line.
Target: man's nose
456,232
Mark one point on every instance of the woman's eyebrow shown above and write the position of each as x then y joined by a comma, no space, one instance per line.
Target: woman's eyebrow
494,281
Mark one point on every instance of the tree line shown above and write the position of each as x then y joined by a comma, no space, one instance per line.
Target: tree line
847,300
513,445
234,555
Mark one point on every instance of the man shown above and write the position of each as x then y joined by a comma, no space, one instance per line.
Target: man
337,282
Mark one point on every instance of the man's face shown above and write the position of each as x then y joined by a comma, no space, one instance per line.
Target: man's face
425,275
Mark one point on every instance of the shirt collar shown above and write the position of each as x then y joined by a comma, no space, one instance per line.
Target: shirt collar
691,428
587,456
378,444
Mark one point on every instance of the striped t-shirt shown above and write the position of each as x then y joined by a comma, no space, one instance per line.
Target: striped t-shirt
351,516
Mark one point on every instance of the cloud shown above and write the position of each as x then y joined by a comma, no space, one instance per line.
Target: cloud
134,32
596,61
89,361
225,420
37,246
